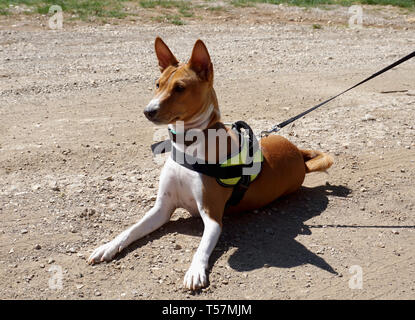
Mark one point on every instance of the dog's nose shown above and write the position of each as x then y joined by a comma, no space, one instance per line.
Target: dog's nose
150,113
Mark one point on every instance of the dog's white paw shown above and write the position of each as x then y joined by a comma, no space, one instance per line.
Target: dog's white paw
105,252
195,278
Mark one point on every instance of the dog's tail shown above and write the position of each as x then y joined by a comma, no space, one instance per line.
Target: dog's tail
316,160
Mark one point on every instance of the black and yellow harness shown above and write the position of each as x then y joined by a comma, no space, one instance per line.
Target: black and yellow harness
237,171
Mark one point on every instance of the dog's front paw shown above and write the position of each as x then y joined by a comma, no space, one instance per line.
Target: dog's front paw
195,278
105,252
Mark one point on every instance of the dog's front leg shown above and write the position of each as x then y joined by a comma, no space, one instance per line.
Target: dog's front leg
152,220
195,277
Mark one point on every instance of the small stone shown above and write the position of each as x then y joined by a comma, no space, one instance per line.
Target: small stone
50,261
177,247
28,278
55,187
97,293
84,213
110,178
395,231
38,247
368,117
23,231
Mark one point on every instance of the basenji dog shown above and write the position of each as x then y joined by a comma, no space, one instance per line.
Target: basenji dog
184,92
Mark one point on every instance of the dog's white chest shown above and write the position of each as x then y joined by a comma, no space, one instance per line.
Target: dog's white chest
182,186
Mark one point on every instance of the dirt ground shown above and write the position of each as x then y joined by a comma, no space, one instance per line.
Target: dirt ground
76,167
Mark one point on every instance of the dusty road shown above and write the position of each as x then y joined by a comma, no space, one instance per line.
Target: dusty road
76,167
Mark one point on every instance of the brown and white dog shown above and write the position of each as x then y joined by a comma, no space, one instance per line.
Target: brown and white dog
184,92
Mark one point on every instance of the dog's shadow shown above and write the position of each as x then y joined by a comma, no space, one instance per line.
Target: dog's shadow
265,237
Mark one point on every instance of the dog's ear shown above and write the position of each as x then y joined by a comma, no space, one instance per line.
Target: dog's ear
200,61
164,55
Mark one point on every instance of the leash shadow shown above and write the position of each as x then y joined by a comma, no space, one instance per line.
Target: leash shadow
267,238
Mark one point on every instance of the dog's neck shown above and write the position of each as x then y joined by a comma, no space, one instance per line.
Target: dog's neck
208,124
208,116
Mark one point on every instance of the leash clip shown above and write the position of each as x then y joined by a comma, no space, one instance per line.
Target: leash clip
275,129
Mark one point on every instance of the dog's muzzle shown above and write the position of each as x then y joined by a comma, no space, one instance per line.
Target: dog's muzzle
152,109
150,113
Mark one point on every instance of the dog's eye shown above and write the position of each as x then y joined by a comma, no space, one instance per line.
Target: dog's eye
157,85
179,88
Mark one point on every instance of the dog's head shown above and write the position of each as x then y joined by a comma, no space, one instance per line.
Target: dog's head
184,90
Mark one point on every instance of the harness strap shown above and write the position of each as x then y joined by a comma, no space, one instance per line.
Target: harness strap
215,170
165,146
161,147
209,169
239,191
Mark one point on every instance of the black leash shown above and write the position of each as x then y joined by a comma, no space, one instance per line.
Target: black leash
281,125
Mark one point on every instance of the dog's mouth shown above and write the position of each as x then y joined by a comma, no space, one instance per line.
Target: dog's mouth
158,121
